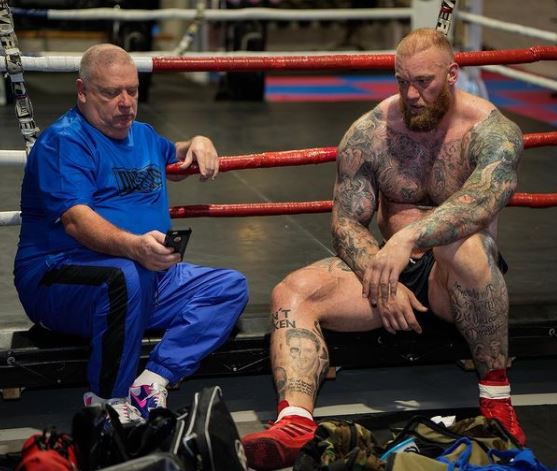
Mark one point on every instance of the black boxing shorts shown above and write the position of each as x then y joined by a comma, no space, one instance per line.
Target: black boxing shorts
415,277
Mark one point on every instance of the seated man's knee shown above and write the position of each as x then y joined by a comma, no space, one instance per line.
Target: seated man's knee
235,285
475,254
305,285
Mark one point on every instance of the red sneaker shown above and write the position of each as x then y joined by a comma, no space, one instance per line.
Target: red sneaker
279,445
503,410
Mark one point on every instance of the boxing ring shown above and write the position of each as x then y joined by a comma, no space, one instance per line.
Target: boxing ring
268,248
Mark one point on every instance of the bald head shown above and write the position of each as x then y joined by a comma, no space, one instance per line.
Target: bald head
107,89
422,39
102,57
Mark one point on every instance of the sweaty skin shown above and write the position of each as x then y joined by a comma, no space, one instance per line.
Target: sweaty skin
435,166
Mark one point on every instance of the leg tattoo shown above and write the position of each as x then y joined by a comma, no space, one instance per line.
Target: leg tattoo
300,357
481,316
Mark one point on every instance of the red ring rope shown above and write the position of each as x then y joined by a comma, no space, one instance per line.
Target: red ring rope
341,61
540,139
533,200
529,200
250,209
266,160
317,156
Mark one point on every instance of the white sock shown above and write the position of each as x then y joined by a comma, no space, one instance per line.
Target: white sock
495,392
293,410
148,377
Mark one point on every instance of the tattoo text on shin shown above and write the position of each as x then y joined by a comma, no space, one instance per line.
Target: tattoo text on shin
282,319
301,386
481,316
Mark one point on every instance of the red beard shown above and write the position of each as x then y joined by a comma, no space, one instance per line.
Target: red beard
430,116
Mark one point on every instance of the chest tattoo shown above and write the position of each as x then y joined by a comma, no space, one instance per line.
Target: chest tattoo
421,171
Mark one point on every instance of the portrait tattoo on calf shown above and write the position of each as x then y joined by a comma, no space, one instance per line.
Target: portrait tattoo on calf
307,360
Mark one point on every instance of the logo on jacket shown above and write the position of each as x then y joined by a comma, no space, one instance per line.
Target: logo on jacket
138,180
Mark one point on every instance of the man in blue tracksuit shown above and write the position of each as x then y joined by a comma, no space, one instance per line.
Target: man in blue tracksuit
91,258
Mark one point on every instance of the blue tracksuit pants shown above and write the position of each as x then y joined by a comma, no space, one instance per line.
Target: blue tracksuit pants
112,301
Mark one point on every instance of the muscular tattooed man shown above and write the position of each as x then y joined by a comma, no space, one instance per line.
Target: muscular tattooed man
435,166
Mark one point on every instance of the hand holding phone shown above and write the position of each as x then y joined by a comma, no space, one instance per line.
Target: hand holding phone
178,240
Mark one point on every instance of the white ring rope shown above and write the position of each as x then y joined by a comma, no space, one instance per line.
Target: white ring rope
523,76
506,26
10,157
274,14
10,218
68,64
238,14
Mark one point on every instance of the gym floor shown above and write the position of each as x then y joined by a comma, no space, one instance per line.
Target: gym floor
267,248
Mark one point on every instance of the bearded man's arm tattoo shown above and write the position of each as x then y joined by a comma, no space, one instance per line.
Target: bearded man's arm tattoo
356,193
494,150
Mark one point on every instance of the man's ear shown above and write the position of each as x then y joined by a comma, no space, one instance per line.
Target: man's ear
452,74
80,86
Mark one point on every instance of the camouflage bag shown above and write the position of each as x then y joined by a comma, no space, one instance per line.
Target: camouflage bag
340,445
432,439
468,441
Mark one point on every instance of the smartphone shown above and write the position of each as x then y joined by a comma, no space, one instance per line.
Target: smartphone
178,240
